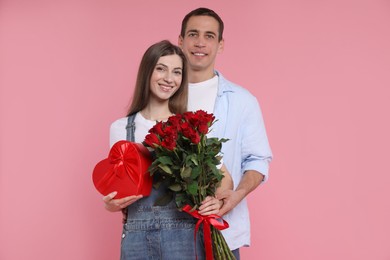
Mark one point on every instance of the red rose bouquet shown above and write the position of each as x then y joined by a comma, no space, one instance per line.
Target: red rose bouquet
186,161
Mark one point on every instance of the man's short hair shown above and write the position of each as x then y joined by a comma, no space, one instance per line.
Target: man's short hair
202,12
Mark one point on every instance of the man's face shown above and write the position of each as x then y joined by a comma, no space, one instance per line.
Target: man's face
200,43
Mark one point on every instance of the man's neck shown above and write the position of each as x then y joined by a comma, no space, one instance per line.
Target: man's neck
199,76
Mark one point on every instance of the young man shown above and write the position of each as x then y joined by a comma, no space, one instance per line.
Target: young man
247,153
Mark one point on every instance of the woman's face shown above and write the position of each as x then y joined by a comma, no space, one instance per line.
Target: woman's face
166,77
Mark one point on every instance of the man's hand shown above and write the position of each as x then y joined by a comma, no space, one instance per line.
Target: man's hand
114,205
230,199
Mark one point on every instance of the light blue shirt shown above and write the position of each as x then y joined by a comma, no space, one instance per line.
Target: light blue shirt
240,120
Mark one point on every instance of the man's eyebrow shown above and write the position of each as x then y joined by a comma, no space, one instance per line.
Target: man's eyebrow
197,31
193,31
210,32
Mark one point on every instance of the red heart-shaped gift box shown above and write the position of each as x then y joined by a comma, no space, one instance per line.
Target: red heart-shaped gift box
125,171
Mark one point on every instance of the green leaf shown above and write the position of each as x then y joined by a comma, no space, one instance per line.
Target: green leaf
195,160
165,160
191,159
175,187
193,188
165,168
195,172
185,172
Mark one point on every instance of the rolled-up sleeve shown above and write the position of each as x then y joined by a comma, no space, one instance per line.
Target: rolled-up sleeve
255,150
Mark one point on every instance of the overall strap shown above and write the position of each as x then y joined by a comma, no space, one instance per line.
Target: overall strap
130,128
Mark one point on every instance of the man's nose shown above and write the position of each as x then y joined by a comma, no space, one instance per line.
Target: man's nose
200,42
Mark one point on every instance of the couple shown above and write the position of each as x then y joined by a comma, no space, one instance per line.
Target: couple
173,80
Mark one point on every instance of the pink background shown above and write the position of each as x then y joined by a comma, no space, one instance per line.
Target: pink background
319,68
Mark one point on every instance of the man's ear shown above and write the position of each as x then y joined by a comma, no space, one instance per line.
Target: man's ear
180,41
221,46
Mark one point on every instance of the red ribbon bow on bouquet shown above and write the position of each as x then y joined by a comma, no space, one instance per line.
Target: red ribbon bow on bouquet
125,171
214,220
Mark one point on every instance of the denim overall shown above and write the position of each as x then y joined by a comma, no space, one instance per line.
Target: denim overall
158,232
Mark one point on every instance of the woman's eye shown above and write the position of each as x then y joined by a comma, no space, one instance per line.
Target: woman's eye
177,72
159,68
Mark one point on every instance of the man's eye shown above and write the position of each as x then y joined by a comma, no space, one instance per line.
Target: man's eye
210,36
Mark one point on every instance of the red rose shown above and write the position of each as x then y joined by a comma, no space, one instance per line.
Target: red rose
195,137
201,113
190,133
170,132
157,129
175,121
169,143
203,128
204,117
152,140
185,127
192,118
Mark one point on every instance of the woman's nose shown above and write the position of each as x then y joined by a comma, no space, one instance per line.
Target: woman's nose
168,77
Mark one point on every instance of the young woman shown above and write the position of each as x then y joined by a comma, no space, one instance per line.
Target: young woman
157,232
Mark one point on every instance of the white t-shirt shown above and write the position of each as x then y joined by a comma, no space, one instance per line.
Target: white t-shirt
202,95
118,129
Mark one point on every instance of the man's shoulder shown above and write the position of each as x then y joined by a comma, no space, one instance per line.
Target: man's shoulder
238,90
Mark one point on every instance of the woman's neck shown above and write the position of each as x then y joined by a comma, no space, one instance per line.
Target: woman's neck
156,112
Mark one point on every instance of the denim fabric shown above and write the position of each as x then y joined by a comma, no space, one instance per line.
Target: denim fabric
236,253
158,232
